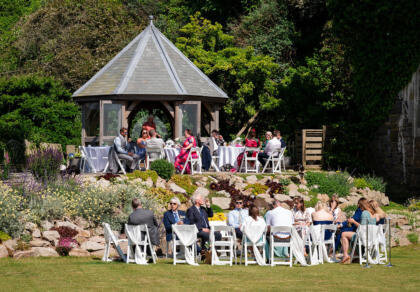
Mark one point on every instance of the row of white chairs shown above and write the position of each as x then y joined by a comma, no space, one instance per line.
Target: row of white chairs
274,162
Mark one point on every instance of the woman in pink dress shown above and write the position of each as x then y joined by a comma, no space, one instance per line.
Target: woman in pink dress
181,159
253,142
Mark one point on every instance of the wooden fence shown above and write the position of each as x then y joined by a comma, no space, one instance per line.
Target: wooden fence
309,145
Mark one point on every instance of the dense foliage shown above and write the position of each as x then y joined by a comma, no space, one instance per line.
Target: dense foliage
330,184
44,164
163,168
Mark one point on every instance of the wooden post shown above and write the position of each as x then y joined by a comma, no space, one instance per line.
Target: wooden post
177,120
83,140
198,124
304,148
101,122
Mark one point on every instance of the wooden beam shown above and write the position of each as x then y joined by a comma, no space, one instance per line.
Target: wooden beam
250,121
170,108
178,120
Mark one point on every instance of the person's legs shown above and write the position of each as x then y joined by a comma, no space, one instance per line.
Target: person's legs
345,242
262,158
238,233
205,237
125,157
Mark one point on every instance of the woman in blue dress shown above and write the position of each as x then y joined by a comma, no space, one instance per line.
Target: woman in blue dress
367,217
141,144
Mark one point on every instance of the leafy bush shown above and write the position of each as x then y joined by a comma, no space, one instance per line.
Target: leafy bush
336,183
312,202
63,250
144,175
284,181
275,188
375,183
164,168
413,204
4,236
216,209
44,164
257,188
11,215
413,238
26,237
184,181
361,183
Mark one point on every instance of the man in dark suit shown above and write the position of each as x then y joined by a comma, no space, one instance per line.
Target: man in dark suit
173,216
198,215
142,216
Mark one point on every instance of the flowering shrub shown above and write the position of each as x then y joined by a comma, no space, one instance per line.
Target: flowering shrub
44,164
164,195
63,250
218,217
275,188
65,231
4,236
11,213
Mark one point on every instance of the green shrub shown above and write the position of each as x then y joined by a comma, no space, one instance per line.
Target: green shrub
257,188
26,237
284,181
335,183
361,183
413,205
216,209
184,181
413,238
312,202
11,215
144,175
164,168
4,236
375,183
393,206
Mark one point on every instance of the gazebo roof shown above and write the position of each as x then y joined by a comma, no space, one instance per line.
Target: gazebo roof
150,66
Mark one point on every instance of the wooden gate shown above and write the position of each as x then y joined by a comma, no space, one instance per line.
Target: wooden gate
309,147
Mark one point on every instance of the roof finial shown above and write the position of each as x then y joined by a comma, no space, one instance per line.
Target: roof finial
151,19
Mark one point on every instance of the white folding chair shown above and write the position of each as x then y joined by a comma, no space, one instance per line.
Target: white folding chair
110,239
246,243
316,248
138,242
282,160
275,160
226,245
85,158
247,161
189,231
152,154
274,242
112,152
372,253
329,242
195,162
382,234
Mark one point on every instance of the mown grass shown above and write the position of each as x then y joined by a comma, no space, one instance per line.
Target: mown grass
70,274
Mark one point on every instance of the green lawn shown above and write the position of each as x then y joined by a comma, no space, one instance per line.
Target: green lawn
65,274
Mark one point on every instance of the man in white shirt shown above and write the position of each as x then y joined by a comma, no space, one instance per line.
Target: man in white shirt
270,147
279,216
155,142
237,216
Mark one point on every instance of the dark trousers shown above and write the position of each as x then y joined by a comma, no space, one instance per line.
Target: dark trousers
238,233
262,158
206,158
205,237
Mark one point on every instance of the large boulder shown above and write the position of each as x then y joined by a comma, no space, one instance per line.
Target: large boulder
66,224
92,246
148,183
176,189
51,235
223,203
201,191
240,186
81,222
266,197
223,193
39,243
23,254
44,252
46,225
4,253
251,179
293,190
78,252
30,226
36,233
161,183
282,197
10,245
83,233
99,239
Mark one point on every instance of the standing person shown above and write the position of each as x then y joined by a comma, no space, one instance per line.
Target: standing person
199,215
237,217
253,142
141,144
173,216
278,136
181,159
270,147
120,147
149,124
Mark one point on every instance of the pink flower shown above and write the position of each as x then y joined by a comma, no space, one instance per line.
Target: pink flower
6,157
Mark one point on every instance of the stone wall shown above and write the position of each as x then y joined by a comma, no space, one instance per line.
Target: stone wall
396,145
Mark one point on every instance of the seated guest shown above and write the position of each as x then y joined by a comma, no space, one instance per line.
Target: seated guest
216,140
334,209
155,142
322,216
252,142
182,157
253,218
173,216
268,137
141,144
279,216
237,217
301,217
278,136
379,213
367,217
199,215
141,216
120,146
270,147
